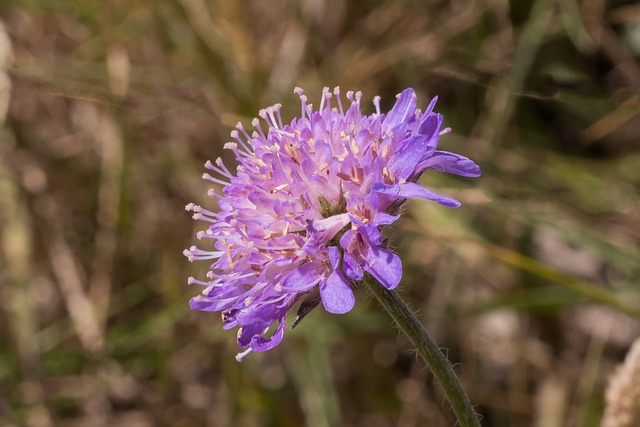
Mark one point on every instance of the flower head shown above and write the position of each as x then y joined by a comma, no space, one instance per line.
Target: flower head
300,219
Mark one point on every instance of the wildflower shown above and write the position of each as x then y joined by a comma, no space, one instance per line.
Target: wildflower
300,219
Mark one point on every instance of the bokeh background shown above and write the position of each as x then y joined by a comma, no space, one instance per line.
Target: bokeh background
109,110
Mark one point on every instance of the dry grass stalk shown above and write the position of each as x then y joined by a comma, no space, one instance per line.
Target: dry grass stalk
6,60
623,394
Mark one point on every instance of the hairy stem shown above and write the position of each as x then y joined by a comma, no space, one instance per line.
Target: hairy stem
435,360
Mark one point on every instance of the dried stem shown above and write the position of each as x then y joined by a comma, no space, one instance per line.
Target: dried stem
623,393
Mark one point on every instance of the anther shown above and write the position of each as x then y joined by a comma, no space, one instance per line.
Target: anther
350,95
326,96
336,92
376,103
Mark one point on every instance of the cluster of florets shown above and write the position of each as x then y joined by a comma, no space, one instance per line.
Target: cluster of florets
299,220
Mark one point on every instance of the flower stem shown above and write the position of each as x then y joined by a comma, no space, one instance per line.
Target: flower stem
436,361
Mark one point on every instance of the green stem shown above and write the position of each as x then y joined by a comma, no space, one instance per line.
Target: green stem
436,361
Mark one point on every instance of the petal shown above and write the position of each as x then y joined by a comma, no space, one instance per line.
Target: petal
403,110
334,257
383,218
203,303
348,239
409,190
430,129
352,269
384,266
260,343
320,185
432,104
371,234
444,161
337,296
389,189
431,125
254,321
302,278
333,223
403,162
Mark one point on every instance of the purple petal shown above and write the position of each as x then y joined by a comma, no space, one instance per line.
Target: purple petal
348,239
260,343
352,269
390,189
430,129
403,110
254,320
431,125
383,218
302,278
444,161
384,266
432,104
371,234
337,296
403,163
203,303
409,190
320,185
334,257
333,223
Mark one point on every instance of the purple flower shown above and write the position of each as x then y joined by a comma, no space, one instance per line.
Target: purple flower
300,219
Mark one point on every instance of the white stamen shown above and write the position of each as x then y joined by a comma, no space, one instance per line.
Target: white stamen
336,92
376,103
242,355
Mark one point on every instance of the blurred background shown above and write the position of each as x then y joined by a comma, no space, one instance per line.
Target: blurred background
109,109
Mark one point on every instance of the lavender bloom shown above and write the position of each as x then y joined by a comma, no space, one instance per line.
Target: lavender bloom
300,220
